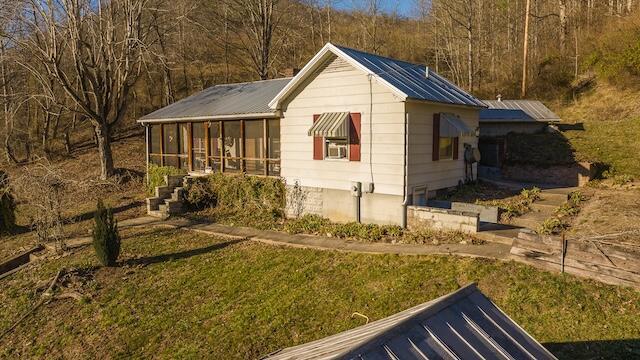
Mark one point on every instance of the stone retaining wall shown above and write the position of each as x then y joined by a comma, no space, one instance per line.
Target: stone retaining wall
445,219
567,175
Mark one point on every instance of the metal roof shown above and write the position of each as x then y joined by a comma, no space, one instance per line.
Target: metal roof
535,109
407,80
505,115
223,101
462,325
415,80
334,124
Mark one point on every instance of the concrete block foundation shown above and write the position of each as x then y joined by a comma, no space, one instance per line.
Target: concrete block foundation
340,205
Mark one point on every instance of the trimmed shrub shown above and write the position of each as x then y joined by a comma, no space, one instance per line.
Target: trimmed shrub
7,205
106,240
157,174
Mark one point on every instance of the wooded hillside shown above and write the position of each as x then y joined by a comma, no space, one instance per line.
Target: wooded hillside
76,70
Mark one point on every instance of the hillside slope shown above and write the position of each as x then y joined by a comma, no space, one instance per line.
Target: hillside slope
611,134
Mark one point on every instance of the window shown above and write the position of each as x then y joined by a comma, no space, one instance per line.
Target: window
336,148
446,148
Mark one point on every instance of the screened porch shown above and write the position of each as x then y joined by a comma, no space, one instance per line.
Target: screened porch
228,146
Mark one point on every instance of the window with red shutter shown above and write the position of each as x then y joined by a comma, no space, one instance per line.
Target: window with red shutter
318,151
354,137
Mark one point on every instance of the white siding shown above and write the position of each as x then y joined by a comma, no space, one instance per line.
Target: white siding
422,169
338,87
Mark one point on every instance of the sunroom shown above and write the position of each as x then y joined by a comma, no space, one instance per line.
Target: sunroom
225,128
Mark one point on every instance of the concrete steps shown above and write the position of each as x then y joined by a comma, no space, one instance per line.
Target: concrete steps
169,198
544,208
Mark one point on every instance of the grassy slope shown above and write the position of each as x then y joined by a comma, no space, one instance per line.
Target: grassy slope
612,128
246,300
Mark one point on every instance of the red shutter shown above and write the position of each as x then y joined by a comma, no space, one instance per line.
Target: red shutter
455,148
318,152
436,137
354,137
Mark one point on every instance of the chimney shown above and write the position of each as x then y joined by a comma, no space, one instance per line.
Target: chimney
289,72
426,72
499,97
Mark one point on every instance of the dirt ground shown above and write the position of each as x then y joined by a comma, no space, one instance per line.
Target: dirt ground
124,193
610,210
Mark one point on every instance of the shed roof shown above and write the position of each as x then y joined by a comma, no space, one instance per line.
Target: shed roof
534,108
505,116
249,99
462,325
407,80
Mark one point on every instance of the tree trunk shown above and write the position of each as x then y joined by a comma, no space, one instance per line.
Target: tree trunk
562,9
104,150
523,92
8,117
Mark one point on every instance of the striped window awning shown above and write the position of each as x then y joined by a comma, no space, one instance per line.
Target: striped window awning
452,126
333,124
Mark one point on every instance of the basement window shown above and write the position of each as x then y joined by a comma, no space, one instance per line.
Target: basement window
336,148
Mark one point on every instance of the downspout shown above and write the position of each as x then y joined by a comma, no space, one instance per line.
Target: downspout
405,201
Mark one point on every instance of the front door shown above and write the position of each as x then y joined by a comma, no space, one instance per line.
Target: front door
199,148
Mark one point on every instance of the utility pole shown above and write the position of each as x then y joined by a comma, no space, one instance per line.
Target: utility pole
523,93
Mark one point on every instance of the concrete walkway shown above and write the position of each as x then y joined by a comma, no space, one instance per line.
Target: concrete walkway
488,250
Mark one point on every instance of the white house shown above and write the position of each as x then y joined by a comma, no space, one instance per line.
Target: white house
358,136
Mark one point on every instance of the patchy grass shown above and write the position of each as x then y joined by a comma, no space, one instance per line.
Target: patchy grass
510,203
181,294
611,118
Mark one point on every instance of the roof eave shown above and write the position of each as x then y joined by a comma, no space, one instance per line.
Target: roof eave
269,115
446,103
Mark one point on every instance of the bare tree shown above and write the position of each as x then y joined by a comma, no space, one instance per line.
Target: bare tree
257,22
93,51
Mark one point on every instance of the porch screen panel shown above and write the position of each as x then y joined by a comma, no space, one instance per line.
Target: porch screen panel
254,147
273,147
171,139
232,146
183,154
215,146
155,141
199,146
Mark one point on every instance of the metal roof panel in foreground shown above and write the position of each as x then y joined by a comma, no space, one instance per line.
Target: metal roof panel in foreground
223,100
462,325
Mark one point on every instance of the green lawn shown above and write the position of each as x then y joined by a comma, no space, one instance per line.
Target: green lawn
180,294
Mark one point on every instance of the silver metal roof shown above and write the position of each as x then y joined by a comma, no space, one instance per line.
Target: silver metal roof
505,116
462,325
535,109
334,124
223,101
414,80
